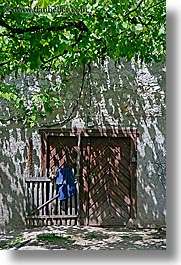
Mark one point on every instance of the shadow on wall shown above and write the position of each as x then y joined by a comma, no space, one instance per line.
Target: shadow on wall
12,171
151,174
116,96
130,95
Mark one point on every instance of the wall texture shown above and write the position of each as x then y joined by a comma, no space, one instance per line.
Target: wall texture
112,95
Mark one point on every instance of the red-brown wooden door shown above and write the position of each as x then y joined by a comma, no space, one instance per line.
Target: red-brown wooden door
62,152
107,180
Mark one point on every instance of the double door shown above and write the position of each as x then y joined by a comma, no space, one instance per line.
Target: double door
106,181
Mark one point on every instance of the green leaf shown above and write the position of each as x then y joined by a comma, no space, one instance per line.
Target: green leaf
48,107
35,61
69,38
4,89
125,25
139,27
44,3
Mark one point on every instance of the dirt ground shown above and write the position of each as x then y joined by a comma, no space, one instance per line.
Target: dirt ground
84,238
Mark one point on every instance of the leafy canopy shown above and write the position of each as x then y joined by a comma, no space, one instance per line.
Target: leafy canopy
64,34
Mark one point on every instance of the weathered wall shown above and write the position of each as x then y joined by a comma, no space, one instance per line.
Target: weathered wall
13,157
112,96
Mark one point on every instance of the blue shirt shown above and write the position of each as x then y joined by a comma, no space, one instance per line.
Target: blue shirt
65,178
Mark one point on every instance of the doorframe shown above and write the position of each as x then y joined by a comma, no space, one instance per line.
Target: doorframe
121,132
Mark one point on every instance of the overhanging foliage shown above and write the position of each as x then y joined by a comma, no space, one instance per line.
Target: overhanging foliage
64,34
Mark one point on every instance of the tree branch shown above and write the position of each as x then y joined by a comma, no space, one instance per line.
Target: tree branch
79,25
154,5
133,9
18,30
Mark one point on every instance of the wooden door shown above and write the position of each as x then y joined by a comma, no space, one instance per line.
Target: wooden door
62,152
109,181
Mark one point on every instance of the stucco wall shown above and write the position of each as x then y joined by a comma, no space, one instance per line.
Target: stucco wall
112,96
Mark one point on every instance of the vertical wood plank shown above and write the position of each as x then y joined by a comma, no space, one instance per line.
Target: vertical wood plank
133,171
28,200
75,203
70,206
37,195
33,195
43,196
47,198
66,206
56,201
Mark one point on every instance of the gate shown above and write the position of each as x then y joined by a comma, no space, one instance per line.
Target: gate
106,182
43,205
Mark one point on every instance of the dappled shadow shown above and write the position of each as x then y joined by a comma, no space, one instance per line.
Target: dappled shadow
107,179
87,238
115,96
13,146
134,96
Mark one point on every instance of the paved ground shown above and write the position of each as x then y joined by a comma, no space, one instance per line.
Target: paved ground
84,238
